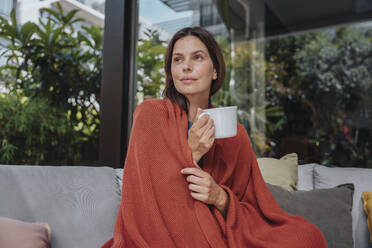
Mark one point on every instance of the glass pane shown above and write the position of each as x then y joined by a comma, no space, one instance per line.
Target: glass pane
158,21
322,83
50,80
299,75
5,7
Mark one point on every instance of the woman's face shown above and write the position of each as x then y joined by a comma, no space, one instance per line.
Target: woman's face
192,68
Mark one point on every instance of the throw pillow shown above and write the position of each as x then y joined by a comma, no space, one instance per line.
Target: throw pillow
281,172
305,176
328,209
328,177
367,198
15,233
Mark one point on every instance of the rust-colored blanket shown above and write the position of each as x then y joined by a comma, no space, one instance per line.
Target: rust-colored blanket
157,209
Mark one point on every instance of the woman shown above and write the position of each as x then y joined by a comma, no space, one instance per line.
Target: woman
183,188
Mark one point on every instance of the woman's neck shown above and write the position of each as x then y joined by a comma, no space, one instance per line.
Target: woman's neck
193,108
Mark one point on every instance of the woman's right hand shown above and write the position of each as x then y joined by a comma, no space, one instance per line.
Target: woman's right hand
201,135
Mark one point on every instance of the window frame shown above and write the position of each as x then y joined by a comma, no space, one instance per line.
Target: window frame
118,87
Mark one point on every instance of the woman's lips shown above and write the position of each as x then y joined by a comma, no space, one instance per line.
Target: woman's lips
187,80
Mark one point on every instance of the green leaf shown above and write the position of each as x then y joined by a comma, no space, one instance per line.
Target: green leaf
76,20
51,12
13,18
27,30
60,10
68,17
56,33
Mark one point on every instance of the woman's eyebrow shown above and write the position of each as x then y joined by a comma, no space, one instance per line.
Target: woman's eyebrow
197,51
180,54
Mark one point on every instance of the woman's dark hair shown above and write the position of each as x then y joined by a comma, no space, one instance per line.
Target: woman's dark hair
215,53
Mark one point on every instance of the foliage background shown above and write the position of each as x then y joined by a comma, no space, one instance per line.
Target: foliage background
314,89
52,74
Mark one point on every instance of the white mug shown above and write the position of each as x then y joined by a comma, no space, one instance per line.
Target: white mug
225,121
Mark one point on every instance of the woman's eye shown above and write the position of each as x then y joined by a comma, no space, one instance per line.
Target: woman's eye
198,57
176,59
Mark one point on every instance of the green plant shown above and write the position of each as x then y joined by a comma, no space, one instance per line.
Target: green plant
150,63
335,77
52,61
261,116
325,91
34,132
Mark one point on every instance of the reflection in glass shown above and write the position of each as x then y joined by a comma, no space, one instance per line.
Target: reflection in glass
299,74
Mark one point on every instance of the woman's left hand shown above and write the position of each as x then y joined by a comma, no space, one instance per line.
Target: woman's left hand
205,189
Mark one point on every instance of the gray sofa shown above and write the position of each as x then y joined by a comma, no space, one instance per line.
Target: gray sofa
81,203
315,176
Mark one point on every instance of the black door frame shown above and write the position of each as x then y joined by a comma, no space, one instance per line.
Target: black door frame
118,86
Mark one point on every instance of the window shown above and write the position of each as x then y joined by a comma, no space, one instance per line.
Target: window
299,74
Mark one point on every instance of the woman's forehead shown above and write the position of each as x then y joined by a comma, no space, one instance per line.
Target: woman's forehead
189,44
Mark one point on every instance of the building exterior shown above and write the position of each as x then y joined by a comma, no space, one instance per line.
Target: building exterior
5,7
29,10
205,14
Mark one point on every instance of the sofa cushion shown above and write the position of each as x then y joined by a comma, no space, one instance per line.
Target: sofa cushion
79,203
306,176
327,177
15,233
367,199
328,209
281,172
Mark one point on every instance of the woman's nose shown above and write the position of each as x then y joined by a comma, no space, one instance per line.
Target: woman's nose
187,67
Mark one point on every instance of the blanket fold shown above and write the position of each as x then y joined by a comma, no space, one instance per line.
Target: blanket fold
157,209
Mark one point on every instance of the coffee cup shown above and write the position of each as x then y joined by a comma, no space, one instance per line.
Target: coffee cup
225,120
